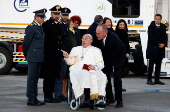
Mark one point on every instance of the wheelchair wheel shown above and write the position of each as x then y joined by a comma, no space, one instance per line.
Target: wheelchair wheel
102,103
74,105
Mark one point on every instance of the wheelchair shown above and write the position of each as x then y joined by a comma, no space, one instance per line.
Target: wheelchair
74,104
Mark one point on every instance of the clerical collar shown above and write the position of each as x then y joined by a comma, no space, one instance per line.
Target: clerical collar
37,23
104,40
86,47
157,24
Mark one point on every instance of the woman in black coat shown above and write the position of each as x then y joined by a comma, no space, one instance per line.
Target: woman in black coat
107,21
121,30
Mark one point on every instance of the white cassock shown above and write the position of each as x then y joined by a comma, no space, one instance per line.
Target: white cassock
94,79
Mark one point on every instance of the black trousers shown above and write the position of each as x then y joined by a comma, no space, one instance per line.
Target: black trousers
118,83
32,80
48,87
108,70
157,62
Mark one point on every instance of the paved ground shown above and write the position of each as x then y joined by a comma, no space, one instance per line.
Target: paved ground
136,99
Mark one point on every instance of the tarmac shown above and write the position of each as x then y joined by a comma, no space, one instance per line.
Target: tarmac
139,96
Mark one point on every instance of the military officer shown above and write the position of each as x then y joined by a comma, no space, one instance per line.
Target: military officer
52,55
33,48
64,46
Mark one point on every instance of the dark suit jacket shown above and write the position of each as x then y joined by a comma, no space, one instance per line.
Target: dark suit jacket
33,43
114,52
156,37
92,28
52,50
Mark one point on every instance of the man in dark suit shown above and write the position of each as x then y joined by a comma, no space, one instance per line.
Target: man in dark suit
33,48
97,20
64,46
114,55
157,41
52,55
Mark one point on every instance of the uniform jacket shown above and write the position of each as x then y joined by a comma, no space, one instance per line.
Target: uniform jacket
52,50
33,43
64,36
155,37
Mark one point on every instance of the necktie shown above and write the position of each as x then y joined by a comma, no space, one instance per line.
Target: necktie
41,28
158,27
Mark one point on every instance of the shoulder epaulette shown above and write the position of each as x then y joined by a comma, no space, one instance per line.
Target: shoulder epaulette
30,24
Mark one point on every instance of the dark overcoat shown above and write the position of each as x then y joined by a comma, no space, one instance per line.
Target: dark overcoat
52,50
155,37
92,28
114,52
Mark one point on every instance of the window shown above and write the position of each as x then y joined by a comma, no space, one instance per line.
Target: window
126,8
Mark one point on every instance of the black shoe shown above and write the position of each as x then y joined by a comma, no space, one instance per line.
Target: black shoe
123,90
150,82
159,82
34,103
48,100
56,100
110,101
62,98
119,104
86,102
43,103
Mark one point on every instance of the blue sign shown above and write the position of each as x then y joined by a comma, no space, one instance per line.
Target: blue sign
158,90
138,22
21,5
130,22
142,30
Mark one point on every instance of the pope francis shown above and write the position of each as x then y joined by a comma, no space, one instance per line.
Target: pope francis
86,64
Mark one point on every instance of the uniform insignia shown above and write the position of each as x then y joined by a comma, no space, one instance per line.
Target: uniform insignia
65,10
58,7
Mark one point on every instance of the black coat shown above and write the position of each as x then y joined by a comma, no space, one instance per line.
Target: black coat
52,50
123,36
92,28
155,37
110,29
78,37
72,40
114,52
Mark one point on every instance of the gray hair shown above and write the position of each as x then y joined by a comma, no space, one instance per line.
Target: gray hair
104,27
98,18
89,36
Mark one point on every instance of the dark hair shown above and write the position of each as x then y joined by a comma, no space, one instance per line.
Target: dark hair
106,18
158,15
122,20
76,18
98,18
69,21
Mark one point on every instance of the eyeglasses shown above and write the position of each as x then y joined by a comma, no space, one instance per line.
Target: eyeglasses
76,23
